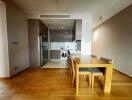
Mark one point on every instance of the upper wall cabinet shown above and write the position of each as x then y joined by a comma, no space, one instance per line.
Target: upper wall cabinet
43,30
74,32
60,36
78,29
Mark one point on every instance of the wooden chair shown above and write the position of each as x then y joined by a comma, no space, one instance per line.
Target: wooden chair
69,65
82,71
98,72
95,72
86,72
105,60
94,56
73,71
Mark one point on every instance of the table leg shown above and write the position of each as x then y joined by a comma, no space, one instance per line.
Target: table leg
108,78
77,80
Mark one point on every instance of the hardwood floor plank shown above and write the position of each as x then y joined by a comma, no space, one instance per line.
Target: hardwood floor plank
55,84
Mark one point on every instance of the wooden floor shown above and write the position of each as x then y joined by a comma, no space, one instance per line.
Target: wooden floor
55,84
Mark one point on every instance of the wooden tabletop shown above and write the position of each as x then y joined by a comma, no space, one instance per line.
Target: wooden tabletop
87,60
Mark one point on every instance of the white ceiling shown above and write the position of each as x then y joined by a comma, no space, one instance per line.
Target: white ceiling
104,8
63,24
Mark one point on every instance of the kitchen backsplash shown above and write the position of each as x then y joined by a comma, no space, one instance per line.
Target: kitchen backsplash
60,45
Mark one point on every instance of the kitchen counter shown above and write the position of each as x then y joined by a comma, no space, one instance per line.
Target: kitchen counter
55,54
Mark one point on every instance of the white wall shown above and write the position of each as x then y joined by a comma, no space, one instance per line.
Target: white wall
113,39
4,60
86,35
17,28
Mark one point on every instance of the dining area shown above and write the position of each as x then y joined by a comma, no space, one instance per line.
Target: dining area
91,68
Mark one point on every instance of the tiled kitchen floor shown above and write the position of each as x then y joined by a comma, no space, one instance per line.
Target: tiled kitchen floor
56,64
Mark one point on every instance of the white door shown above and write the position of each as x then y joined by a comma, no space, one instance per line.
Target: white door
4,57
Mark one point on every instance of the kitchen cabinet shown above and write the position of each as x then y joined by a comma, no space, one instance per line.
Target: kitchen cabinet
74,32
78,29
60,36
38,47
55,54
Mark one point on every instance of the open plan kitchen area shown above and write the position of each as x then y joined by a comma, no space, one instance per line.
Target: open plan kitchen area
65,50
57,39
64,39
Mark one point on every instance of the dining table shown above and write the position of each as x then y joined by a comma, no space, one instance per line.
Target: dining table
87,61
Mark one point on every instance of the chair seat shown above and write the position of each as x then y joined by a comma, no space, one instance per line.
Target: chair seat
95,70
84,70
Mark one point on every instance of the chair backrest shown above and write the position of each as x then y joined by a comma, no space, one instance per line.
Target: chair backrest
69,63
94,56
106,60
72,62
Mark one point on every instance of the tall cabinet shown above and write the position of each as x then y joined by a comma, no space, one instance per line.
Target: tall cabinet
43,39
38,43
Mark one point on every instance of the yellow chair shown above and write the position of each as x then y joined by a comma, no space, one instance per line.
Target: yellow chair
82,71
95,72
73,71
98,72
69,65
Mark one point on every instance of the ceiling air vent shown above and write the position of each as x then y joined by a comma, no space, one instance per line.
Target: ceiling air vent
54,16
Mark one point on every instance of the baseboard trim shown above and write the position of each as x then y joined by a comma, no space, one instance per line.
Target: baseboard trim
19,72
4,77
122,73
